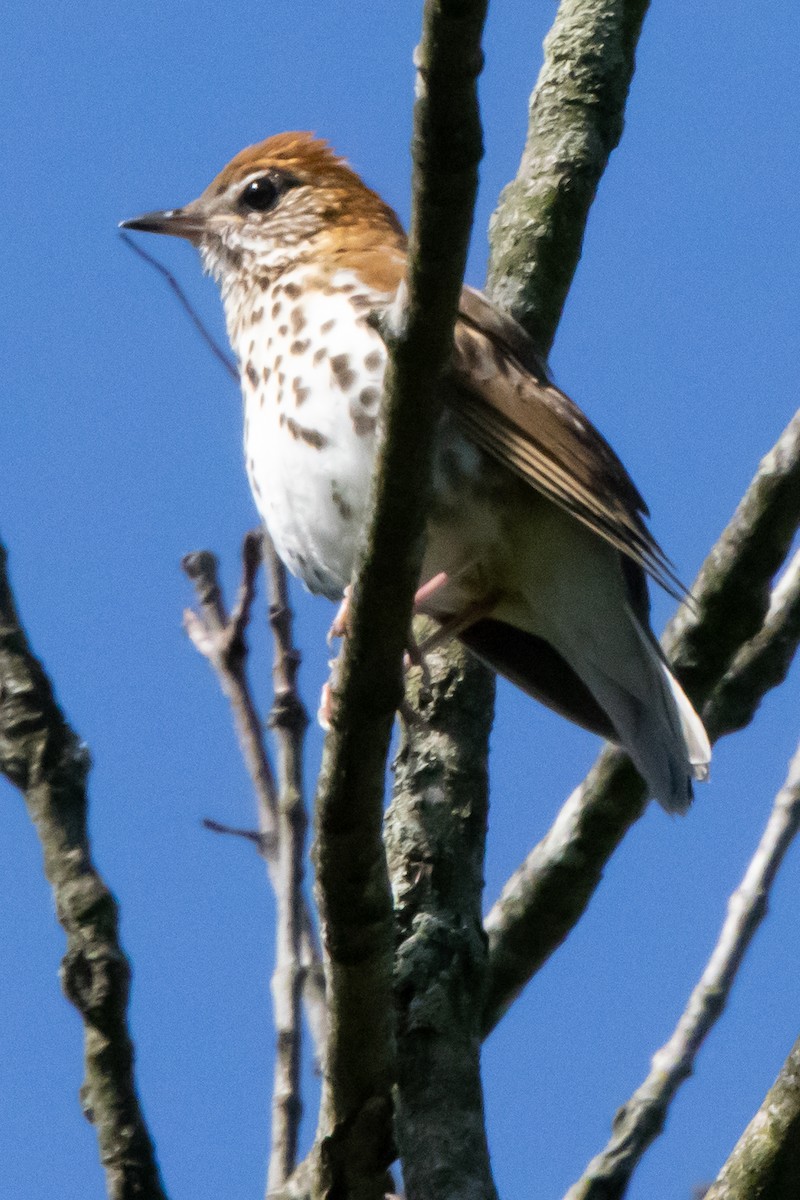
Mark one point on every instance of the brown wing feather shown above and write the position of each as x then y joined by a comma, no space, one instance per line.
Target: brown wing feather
509,406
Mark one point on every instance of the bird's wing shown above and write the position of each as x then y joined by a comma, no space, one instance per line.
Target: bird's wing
507,404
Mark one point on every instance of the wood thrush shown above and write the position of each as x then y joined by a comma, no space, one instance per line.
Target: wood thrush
536,545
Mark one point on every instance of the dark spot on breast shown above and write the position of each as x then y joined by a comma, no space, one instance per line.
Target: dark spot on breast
264,284
292,290
278,361
297,320
252,374
283,330
319,354
327,326
312,437
257,315
362,422
276,308
281,379
265,374
369,396
299,347
374,360
301,393
345,376
344,509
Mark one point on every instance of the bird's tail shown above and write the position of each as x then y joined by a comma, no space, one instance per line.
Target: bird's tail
653,718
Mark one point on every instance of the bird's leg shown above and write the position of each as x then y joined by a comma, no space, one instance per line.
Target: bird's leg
415,654
338,627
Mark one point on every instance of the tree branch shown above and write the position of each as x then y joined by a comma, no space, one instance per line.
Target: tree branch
354,1136
435,855
289,719
762,663
765,1163
575,121
42,756
220,640
641,1119
546,896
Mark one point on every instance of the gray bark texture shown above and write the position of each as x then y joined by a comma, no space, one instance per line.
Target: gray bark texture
765,1163
575,121
435,850
42,756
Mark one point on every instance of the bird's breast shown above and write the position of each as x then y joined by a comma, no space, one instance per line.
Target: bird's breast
311,367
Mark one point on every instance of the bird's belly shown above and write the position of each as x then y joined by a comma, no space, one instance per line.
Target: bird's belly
312,496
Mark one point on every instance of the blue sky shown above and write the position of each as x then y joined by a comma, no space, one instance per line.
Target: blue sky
121,452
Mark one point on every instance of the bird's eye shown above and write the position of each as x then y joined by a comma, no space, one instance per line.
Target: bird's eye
260,195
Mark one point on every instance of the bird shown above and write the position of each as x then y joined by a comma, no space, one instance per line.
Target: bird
537,550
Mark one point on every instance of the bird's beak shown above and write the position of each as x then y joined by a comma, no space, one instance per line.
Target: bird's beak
180,222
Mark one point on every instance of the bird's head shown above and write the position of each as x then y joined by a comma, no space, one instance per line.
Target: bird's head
287,200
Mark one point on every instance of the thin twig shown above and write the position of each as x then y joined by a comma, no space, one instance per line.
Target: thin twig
641,1119
259,840
42,756
218,637
289,720
731,633
221,641
188,308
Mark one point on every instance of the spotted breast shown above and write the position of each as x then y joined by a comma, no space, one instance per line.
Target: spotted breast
311,367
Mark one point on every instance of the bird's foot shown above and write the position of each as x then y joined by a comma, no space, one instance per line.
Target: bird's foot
340,623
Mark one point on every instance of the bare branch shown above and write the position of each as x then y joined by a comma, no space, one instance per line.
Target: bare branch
263,844
352,885
765,1163
641,1119
732,591
575,121
289,719
186,304
546,896
41,755
761,663
435,853
221,641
